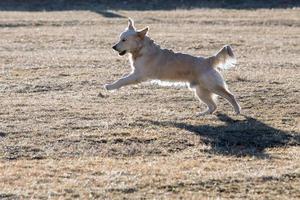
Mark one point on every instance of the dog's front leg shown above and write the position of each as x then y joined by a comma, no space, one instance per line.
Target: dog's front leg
127,80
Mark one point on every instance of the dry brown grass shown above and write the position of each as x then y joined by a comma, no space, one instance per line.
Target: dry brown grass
63,136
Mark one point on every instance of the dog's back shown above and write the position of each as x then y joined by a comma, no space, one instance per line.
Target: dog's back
164,64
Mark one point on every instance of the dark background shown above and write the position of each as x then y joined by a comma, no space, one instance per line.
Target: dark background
102,5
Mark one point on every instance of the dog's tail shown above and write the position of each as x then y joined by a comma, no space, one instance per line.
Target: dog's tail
223,59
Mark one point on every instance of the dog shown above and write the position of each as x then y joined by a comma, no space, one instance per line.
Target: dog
150,62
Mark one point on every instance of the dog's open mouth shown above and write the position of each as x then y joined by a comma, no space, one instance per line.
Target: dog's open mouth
122,53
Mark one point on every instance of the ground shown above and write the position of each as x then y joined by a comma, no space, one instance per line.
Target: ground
63,136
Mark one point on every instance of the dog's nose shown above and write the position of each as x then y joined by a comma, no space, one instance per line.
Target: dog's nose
114,47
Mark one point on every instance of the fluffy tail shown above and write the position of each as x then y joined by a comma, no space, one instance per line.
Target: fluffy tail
224,59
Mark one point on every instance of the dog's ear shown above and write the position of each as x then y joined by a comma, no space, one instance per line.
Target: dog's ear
130,24
143,32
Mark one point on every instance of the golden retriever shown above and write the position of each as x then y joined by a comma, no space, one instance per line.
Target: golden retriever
150,62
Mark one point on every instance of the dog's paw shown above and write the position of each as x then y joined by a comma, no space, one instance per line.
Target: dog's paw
201,114
108,87
238,111
206,112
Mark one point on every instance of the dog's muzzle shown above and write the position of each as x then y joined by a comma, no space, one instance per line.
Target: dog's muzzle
120,53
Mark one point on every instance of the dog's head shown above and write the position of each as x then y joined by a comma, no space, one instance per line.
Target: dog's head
131,39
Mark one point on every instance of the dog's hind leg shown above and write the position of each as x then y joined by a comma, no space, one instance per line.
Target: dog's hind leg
224,92
206,97
215,83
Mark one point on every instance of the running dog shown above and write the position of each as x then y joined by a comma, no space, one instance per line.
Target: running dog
150,62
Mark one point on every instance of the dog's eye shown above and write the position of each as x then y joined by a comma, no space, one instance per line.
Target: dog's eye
123,40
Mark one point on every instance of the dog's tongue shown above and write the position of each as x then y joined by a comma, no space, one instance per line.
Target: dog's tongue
122,53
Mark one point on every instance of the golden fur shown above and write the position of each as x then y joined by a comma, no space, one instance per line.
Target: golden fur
150,62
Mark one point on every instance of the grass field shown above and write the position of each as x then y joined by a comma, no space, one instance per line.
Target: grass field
63,136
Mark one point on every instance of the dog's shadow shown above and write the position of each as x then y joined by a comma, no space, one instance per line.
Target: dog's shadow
248,137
